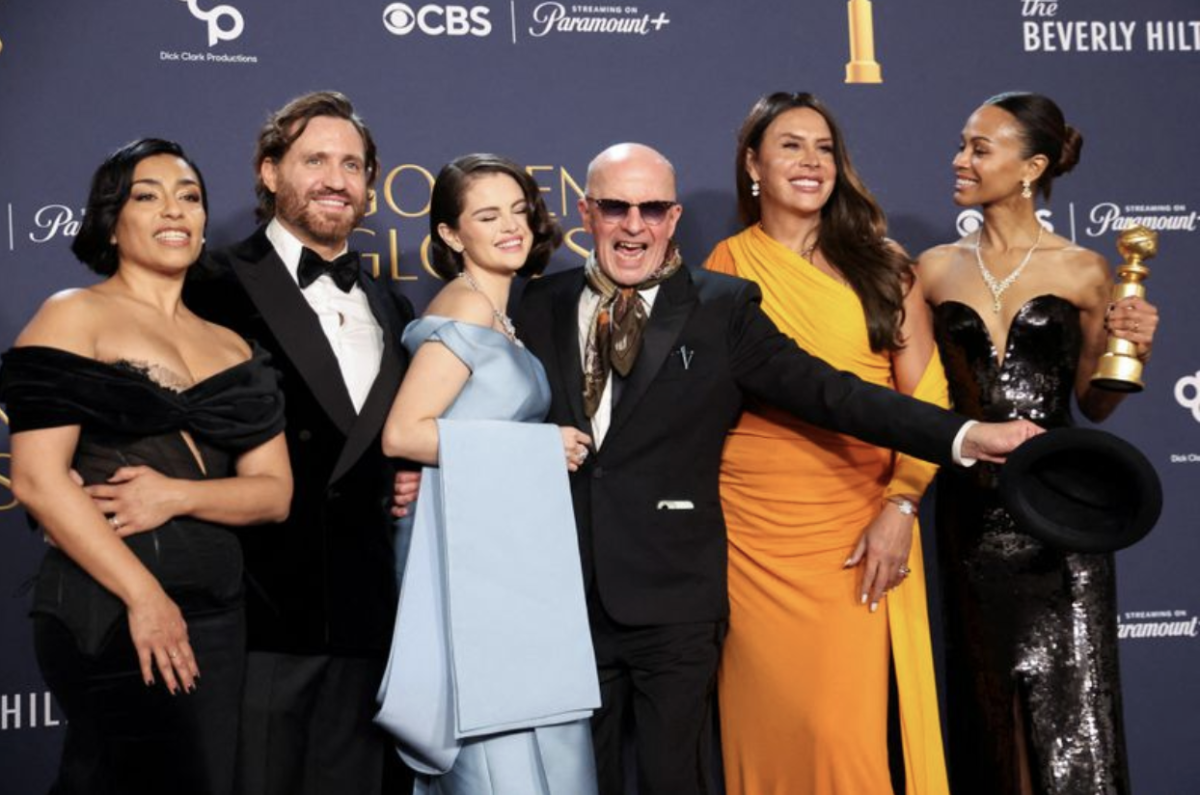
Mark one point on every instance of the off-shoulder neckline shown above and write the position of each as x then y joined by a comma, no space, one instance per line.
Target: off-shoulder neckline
468,324
140,369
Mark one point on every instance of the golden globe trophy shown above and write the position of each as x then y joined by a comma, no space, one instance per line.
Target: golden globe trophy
862,68
1120,369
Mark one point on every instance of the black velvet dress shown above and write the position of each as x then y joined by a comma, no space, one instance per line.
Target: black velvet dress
1031,630
124,738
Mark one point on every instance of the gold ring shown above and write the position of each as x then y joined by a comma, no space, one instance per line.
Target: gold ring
173,655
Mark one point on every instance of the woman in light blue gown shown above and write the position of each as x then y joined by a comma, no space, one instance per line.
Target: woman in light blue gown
492,676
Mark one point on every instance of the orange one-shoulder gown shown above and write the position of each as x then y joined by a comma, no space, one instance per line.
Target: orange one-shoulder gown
803,683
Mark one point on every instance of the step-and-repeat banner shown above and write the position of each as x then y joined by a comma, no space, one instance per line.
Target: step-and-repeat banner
550,84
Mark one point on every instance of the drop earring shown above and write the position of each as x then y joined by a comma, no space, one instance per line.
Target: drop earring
1026,190
754,189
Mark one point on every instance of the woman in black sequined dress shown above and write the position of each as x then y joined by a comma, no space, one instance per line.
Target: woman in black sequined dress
174,427
1021,315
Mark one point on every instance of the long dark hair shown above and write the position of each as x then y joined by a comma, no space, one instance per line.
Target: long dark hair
446,206
111,185
853,234
1044,131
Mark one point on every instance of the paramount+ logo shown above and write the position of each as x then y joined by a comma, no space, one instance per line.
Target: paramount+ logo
401,19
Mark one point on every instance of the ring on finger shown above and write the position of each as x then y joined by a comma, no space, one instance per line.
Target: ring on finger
583,454
174,655
115,522
905,571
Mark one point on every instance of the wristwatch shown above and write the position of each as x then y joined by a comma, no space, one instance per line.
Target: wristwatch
904,505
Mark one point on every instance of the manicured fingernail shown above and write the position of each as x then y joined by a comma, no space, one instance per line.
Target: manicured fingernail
863,601
874,606
849,562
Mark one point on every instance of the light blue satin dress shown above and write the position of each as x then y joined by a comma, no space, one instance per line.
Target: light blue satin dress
491,679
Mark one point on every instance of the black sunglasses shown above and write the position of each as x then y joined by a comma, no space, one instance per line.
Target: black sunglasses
652,212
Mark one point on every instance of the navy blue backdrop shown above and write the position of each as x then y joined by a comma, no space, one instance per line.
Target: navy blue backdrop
550,84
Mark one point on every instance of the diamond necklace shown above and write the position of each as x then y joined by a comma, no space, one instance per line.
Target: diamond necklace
504,320
998,287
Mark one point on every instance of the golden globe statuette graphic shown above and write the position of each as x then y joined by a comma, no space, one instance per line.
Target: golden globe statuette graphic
1120,369
862,68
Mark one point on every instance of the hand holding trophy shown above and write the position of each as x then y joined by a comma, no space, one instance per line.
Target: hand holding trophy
1120,368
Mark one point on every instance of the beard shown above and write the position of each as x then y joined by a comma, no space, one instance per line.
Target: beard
297,211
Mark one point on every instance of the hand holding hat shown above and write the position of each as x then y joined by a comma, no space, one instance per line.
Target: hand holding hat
1081,489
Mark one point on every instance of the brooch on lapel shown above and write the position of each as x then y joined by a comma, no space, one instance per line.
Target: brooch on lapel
685,355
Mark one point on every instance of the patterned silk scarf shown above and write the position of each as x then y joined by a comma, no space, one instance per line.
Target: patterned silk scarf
615,332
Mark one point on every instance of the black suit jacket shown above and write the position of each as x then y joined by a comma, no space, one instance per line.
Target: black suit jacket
322,582
707,347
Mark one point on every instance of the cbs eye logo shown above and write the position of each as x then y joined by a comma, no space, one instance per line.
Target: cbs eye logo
969,221
434,20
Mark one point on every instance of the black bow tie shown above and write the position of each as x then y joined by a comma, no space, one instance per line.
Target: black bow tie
343,270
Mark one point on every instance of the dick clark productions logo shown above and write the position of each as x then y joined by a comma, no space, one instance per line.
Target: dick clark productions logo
213,17
1190,402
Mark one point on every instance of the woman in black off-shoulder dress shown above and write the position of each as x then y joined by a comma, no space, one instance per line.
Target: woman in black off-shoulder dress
174,427
1021,315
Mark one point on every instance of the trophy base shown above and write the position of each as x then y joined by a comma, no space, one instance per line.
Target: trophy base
1117,385
1119,373
864,72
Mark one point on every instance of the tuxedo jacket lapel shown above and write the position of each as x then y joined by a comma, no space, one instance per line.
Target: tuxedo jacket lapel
365,429
671,309
292,321
566,341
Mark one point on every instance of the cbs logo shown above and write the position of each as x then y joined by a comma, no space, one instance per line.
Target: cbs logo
1190,402
434,20
969,221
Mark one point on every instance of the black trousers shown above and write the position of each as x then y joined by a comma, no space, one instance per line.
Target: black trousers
126,738
656,686
307,728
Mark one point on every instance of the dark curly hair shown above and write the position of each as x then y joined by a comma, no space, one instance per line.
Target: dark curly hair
288,123
111,185
446,205
1044,131
853,233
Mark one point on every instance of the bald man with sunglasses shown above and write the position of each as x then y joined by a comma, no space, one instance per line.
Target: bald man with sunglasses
655,362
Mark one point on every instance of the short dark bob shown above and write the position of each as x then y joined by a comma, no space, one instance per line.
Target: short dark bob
111,186
446,206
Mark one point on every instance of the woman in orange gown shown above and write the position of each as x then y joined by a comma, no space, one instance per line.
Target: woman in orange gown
822,526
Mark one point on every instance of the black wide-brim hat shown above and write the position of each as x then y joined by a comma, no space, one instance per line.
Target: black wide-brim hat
1082,490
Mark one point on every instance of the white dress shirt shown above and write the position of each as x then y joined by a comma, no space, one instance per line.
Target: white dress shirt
589,299
346,318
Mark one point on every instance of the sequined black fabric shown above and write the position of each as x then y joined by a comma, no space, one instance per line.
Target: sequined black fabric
1030,630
